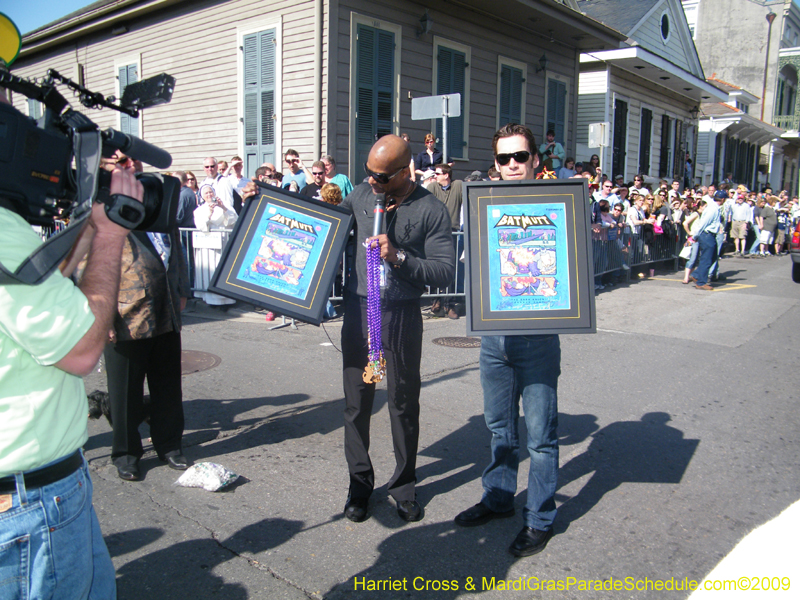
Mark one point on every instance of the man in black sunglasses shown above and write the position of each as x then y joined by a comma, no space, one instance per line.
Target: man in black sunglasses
417,251
514,368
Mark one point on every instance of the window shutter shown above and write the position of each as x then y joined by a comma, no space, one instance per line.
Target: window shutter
128,75
34,109
510,95
365,113
451,79
384,75
663,163
557,108
645,141
260,52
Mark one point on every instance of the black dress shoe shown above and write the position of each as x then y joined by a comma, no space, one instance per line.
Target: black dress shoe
530,541
355,509
176,460
410,510
480,514
128,472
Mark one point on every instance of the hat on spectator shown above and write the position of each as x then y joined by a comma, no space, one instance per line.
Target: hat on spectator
474,176
578,163
634,192
720,195
618,177
742,189
428,175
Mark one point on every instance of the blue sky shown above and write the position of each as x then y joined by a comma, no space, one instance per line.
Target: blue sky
32,14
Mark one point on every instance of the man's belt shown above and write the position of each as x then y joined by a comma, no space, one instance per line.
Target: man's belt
46,476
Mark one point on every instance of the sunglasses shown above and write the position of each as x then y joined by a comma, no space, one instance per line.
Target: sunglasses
209,166
289,161
191,179
382,178
519,157
318,173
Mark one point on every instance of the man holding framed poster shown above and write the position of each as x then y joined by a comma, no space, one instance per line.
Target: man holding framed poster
513,368
417,250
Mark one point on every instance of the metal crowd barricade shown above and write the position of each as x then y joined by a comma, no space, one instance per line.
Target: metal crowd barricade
627,249
202,253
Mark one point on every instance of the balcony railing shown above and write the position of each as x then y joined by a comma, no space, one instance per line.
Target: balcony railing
787,122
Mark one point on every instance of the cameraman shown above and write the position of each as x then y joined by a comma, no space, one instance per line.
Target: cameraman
51,334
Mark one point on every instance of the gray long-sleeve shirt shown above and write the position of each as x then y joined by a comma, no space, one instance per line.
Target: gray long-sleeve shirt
420,225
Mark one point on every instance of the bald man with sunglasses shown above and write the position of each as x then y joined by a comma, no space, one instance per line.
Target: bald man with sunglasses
417,251
519,369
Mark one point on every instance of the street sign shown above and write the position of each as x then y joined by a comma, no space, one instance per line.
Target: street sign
598,135
436,107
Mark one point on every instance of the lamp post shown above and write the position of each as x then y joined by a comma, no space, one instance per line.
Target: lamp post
770,18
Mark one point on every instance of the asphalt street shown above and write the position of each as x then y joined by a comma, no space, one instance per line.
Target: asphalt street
679,432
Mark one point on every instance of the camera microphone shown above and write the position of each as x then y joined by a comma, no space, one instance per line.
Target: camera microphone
137,148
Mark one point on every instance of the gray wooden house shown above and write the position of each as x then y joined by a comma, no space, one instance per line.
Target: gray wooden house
324,76
648,91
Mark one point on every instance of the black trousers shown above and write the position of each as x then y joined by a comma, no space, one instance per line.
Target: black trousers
127,365
401,336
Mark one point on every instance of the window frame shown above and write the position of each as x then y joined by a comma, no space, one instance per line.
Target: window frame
467,51
357,19
242,31
510,62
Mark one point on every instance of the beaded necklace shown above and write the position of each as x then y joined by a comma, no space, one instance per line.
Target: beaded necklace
376,364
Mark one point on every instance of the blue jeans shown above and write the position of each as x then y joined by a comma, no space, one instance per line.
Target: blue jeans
708,254
526,367
51,545
720,237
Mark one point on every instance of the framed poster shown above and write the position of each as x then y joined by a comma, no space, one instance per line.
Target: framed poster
284,253
528,257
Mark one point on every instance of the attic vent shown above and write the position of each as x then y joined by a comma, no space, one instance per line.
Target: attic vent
665,27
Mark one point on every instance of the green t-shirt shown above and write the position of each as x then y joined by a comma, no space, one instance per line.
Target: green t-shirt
43,410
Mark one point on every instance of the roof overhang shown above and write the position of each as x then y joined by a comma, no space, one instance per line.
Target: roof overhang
651,67
93,18
743,97
743,127
551,20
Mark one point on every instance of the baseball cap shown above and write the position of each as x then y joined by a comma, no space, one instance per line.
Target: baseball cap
720,195
618,177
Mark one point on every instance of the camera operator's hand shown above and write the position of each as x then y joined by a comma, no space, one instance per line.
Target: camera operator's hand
123,181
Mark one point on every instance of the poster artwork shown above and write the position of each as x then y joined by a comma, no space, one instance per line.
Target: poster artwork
528,261
288,254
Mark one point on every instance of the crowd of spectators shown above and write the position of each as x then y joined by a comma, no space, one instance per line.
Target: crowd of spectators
634,224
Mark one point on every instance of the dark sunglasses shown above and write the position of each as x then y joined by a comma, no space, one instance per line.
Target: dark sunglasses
519,157
317,173
191,179
382,178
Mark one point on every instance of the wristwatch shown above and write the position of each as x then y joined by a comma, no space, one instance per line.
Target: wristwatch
401,258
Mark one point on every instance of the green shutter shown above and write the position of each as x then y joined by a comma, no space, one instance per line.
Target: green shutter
127,75
260,53
510,95
375,73
451,79
557,109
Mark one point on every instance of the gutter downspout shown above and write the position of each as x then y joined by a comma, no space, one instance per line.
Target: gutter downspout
317,141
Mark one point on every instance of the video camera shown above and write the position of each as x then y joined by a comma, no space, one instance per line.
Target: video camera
37,156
